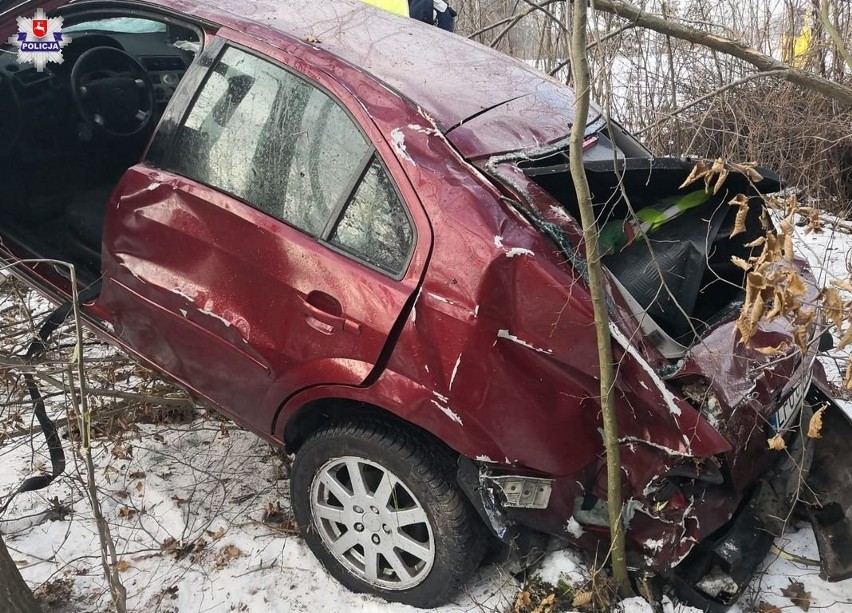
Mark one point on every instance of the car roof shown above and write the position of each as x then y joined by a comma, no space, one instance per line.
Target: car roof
484,101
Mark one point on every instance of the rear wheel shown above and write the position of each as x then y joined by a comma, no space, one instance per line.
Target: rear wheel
382,512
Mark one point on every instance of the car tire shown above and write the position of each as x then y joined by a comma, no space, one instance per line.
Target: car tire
403,510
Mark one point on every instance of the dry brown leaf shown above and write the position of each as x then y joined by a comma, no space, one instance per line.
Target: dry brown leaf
832,306
122,566
815,425
777,305
126,513
122,452
232,551
765,607
789,252
771,250
845,340
796,286
776,443
801,336
581,599
756,280
797,595
745,327
226,554
741,201
748,170
757,310
843,284
523,601
546,604
781,348
814,222
719,167
169,544
847,378
698,171
216,535
741,263
805,317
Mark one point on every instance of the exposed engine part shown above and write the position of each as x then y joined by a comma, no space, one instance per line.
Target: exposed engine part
524,492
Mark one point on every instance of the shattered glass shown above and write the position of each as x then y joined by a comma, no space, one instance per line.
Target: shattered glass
271,139
374,225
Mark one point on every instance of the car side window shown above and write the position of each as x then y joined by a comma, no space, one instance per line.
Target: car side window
270,138
374,225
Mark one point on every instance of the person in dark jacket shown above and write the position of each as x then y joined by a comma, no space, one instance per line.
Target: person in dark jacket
435,12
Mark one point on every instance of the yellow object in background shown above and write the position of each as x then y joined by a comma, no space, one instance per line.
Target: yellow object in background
797,47
802,46
400,7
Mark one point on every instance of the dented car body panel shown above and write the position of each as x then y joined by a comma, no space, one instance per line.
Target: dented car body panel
485,337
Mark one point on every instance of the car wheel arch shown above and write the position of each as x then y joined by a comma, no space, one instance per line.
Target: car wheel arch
319,413
394,397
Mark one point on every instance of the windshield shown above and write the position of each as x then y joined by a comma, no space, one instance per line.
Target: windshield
119,25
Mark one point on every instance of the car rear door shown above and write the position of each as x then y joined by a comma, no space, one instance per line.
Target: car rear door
268,243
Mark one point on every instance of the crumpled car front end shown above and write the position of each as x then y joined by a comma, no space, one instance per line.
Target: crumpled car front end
704,510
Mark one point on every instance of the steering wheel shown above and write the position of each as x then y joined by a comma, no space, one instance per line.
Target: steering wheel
112,91
10,115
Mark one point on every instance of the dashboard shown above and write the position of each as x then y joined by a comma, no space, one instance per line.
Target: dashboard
165,55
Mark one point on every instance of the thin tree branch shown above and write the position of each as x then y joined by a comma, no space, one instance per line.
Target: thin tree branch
515,18
834,34
762,62
582,85
594,44
714,93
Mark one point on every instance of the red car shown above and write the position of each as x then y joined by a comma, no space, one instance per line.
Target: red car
356,236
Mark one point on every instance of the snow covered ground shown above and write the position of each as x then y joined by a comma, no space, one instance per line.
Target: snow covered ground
199,513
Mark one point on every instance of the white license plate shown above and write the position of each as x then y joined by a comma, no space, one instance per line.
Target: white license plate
790,408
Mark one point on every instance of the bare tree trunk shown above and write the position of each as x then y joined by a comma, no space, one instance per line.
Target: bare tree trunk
734,48
582,86
15,595
835,36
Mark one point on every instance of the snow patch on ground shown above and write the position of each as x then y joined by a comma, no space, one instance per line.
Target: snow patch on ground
640,605
574,528
562,565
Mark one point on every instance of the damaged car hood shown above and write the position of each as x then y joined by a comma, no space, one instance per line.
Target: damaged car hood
753,379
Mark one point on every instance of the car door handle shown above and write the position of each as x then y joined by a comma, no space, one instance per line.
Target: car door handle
324,313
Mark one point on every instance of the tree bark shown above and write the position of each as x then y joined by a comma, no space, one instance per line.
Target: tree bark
729,46
582,86
15,595
835,36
